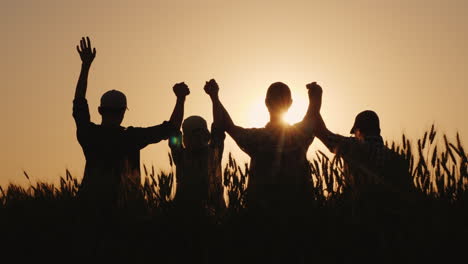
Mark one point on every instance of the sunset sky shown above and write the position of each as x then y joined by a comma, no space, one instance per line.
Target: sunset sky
405,59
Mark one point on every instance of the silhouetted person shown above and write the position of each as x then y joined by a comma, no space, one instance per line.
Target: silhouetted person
377,180
370,166
112,152
279,169
197,155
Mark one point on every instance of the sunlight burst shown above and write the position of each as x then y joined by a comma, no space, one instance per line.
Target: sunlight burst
297,111
259,116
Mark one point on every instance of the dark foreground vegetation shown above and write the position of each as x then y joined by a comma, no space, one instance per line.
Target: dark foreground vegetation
43,222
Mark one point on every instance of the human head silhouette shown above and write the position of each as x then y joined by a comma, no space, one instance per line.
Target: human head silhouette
112,108
196,134
366,123
278,98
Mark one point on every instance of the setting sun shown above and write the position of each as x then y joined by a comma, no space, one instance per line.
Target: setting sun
181,161
259,117
297,111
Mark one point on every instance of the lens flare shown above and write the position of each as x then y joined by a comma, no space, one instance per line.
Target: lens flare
174,140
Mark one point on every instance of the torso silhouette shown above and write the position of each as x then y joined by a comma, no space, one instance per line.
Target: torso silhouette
370,166
279,169
198,172
112,154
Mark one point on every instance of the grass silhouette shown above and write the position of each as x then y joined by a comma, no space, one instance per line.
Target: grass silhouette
43,221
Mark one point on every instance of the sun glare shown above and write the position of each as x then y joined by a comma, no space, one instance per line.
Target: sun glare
259,117
296,112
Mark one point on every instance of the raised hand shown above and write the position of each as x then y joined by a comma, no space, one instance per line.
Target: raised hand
211,88
314,90
181,90
315,96
87,54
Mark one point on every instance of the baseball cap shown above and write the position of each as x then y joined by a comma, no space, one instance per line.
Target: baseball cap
192,123
114,99
367,121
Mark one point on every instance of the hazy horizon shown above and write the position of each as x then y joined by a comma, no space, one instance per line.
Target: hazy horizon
406,60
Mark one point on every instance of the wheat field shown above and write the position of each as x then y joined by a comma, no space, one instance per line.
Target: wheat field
43,221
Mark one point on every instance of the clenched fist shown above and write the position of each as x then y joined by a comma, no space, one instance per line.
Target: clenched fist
315,96
211,88
315,90
181,90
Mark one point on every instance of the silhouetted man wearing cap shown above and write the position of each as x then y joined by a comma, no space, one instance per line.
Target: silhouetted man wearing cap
367,127
369,164
112,152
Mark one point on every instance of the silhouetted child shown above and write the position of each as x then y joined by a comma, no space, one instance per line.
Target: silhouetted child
112,152
197,155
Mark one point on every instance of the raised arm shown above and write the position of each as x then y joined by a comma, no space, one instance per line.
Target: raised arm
313,116
181,90
80,105
246,139
220,114
315,103
212,89
87,55
168,129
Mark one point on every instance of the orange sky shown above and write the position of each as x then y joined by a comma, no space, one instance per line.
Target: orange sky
406,60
